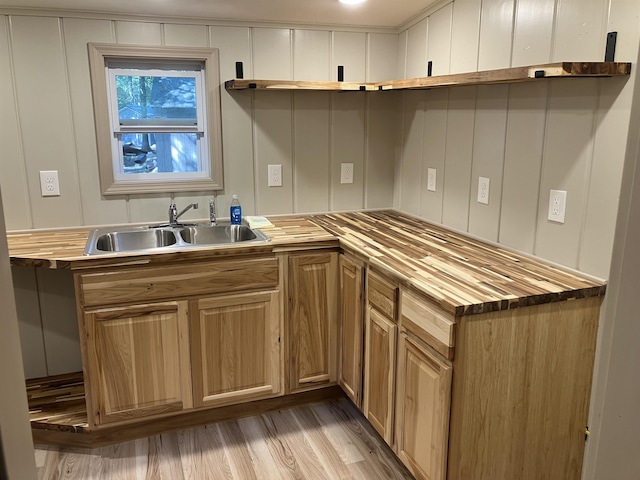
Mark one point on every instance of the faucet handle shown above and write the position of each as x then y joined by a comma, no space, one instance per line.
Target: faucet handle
173,213
212,211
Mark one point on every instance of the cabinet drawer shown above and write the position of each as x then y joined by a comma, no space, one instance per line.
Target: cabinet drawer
169,282
429,323
382,295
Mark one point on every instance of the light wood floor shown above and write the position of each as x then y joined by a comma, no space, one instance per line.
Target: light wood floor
328,440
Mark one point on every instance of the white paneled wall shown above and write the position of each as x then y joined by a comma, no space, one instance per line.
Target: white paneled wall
496,29
47,119
528,138
47,124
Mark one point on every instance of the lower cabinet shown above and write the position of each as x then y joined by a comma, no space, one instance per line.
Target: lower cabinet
422,409
195,334
351,328
235,348
379,376
138,361
312,319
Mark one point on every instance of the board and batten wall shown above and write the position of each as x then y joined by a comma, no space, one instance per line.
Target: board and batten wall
47,121
47,124
572,135
527,138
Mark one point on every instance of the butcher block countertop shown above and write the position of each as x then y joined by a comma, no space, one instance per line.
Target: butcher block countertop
462,275
63,249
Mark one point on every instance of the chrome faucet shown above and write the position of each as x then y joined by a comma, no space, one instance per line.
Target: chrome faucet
174,215
212,212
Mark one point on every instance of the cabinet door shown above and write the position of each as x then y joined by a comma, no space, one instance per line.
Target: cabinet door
423,404
235,348
313,291
379,379
138,361
351,328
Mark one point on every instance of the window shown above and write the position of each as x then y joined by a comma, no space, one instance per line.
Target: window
157,112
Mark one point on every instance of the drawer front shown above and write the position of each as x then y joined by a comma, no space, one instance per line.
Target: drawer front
429,323
382,295
170,282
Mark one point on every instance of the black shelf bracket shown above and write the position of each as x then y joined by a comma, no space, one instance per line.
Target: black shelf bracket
610,50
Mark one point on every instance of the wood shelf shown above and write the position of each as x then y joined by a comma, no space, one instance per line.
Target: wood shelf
506,75
241,84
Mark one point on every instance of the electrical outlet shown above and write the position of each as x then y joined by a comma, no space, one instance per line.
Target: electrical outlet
346,173
431,179
483,190
49,183
275,175
557,205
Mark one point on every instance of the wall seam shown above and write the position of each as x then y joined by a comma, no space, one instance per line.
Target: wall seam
74,147
542,165
422,152
254,133
588,173
479,35
330,119
554,29
44,343
473,142
514,25
444,160
366,130
504,158
14,85
292,75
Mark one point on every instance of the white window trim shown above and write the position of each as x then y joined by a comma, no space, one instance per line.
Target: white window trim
113,184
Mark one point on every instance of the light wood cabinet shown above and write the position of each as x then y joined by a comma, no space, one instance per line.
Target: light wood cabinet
235,348
138,361
422,409
351,328
379,379
520,397
312,319
380,354
210,328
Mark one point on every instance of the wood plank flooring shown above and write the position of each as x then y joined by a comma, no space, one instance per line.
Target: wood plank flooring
58,402
327,440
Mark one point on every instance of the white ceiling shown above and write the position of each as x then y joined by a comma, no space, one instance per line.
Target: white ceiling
372,13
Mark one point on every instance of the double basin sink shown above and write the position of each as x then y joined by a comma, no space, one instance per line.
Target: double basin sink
167,238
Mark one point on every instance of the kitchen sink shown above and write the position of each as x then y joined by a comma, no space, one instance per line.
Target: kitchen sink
135,240
153,239
221,234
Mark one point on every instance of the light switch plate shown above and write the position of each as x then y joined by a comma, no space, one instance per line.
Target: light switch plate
431,179
483,190
275,175
49,185
557,205
346,173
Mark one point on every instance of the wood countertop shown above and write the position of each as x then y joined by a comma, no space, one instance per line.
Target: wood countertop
63,249
462,275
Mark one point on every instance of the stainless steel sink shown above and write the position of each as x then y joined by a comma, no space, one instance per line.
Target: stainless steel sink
153,239
135,240
221,234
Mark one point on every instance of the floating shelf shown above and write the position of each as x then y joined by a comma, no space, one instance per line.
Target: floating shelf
241,84
506,75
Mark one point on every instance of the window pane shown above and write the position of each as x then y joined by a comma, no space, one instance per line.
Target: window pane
160,152
161,97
